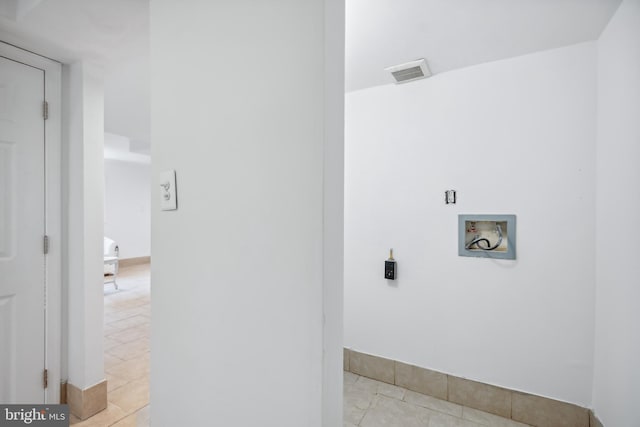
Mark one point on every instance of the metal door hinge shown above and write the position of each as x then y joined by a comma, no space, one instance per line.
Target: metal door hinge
45,110
45,378
45,245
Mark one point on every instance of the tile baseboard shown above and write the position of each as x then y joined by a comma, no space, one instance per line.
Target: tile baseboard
374,367
421,380
477,395
88,402
593,420
63,393
521,407
127,262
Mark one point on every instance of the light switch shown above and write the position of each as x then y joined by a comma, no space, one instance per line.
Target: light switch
168,193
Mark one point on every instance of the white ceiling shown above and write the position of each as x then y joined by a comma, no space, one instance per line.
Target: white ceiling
452,34
118,147
114,34
449,34
105,32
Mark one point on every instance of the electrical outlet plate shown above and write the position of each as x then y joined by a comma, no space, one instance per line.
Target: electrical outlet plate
450,197
390,270
485,228
168,193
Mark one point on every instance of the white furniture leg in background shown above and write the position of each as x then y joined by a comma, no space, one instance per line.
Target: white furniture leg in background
112,260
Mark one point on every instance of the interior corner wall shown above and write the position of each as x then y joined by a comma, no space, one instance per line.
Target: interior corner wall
617,344
83,212
240,93
512,137
127,207
333,219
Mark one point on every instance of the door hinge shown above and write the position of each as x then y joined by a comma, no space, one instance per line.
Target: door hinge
45,110
45,378
45,244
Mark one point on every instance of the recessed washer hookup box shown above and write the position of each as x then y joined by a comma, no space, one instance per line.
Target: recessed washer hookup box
487,236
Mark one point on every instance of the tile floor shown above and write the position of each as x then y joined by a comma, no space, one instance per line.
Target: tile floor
367,403
127,315
370,403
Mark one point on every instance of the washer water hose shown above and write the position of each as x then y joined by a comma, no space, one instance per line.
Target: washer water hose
477,239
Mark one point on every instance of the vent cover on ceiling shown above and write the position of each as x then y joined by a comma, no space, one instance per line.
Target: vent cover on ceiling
409,71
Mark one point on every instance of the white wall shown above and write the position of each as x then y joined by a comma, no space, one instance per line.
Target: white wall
127,213
238,110
513,137
83,211
333,219
126,94
617,355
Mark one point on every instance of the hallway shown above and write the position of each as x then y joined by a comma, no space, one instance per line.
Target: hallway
126,345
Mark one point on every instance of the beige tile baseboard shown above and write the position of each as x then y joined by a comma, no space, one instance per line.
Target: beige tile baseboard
593,420
374,367
521,407
63,392
127,262
477,395
85,403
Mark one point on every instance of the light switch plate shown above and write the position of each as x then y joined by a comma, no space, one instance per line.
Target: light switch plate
168,193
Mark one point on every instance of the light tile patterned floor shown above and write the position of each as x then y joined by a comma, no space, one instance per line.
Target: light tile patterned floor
367,403
127,315
370,403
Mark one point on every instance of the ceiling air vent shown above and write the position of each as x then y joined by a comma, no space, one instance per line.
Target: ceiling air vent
409,71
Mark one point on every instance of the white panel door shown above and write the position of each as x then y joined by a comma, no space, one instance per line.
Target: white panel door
22,225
